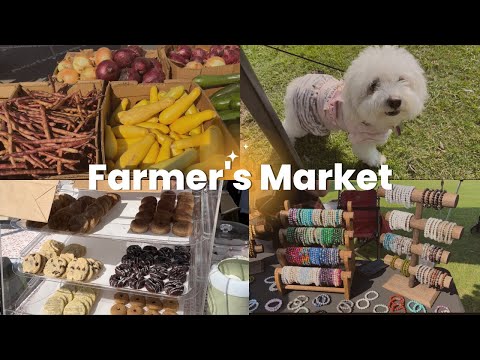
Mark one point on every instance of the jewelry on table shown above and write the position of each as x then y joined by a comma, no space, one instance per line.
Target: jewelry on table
380,309
415,307
400,194
321,300
442,309
345,306
302,309
371,292
252,305
273,287
275,308
269,280
367,302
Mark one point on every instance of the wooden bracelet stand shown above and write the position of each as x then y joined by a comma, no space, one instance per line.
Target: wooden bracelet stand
347,257
346,278
409,287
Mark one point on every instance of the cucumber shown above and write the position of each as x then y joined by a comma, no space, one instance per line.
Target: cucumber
232,88
229,115
211,81
223,102
234,104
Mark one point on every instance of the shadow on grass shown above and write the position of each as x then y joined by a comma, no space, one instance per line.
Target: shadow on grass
472,302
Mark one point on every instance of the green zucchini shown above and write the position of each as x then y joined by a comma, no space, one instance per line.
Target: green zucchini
232,88
234,104
229,115
211,81
223,102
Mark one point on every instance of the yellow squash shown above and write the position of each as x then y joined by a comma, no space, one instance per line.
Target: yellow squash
175,92
125,131
140,103
135,154
173,112
215,144
165,151
206,138
143,113
196,131
176,152
153,119
121,107
124,144
191,110
161,138
153,94
151,157
189,122
160,127
111,146
180,162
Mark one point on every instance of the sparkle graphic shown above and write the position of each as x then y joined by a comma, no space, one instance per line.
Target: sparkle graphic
232,156
245,146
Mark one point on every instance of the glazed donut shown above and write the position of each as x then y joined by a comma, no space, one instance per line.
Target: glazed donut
181,216
139,226
182,228
168,194
162,217
159,228
185,196
167,205
149,207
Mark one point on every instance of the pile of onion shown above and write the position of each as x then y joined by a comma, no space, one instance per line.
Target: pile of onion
196,58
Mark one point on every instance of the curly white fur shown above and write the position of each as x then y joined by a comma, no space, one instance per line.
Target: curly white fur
383,87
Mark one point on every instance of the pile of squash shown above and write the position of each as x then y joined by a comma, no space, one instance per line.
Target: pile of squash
163,132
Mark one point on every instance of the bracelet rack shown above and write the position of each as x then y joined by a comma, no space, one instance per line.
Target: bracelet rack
347,257
409,287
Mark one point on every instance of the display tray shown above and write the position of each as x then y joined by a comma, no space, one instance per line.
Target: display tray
106,250
116,223
31,301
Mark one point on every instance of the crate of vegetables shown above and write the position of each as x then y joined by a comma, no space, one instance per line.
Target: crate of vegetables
189,61
163,126
131,63
7,91
50,130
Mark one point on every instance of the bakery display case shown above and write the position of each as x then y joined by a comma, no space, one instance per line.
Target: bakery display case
110,269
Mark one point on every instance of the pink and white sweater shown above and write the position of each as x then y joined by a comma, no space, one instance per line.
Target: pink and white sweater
317,101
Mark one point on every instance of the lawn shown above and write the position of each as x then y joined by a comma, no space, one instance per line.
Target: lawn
464,262
443,142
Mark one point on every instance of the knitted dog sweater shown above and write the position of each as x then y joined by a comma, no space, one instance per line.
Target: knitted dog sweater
317,101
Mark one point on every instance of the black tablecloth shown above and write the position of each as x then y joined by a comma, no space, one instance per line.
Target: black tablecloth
361,284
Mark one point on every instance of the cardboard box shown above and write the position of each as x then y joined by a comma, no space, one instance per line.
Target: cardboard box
117,90
188,74
149,53
82,86
7,91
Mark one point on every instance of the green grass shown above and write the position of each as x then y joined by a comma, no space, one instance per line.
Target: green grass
464,262
443,142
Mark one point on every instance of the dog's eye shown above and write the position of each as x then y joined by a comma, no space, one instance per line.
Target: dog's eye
401,78
373,86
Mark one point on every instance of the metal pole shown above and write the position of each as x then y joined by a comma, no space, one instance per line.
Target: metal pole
456,192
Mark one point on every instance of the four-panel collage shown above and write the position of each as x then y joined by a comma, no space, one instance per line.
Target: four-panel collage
239,179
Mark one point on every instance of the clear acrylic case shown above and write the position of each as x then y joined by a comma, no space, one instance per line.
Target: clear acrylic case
108,243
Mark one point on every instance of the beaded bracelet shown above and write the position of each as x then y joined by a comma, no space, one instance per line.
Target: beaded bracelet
326,237
371,292
399,220
307,256
269,280
405,268
321,300
400,194
275,308
380,306
415,307
273,287
345,306
423,196
307,276
252,305
302,309
442,309
367,302
315,217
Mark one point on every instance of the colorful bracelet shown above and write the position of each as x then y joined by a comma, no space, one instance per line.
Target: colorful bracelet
275,308
252,305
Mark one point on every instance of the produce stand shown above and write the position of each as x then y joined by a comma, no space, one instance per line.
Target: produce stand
108,243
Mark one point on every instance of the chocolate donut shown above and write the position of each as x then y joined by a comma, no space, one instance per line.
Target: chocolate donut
147,258
182,228
140,269
162,217
123,270
166,205
181,248
128,259
174,288
136,282
184,207
144,216
163,261
149,200
168,194
149,207
185,196
159,272
151,249
139,226
154,286
183,267
166,252
180,255
123,282
160,229
135,250
114,280
177,274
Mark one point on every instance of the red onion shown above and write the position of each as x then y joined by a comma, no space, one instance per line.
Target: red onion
231,56
177,59
137,50
184,51
129,74
216,50
124,57
154,76
198,59
156,64
107,70
141,65
199,52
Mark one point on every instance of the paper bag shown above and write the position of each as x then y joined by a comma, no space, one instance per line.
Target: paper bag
27,199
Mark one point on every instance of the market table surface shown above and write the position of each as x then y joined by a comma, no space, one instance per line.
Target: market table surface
259,291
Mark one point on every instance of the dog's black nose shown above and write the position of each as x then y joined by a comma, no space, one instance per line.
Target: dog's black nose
394,103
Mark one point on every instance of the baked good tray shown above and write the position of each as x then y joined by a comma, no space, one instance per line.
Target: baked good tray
108,251
116,223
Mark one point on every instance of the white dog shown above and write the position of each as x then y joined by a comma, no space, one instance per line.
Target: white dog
383,87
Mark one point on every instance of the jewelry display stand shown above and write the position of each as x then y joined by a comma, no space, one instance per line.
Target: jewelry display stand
347,257
409,286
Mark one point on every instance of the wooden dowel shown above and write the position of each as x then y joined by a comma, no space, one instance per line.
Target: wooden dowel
258,249
412,269
419,224
345,255
347,216
449,200
417,249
